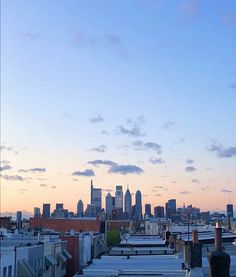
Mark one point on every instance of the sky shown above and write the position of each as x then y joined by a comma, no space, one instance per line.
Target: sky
138,93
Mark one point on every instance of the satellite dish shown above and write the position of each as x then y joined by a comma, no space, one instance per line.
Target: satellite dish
124,236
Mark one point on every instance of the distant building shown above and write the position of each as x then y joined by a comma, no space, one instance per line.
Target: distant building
46,210
90,211
120,225
117,213
59,212
5,222
128,203
159,212
133,211
109,205
96,197
148,210
80,208
170,208
36,212
19,219
138,205
119,197
230,210
59,206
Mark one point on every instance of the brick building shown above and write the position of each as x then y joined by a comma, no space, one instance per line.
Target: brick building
118,224
66,224
72,265
5,222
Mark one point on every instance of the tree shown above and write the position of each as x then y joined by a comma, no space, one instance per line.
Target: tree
113,237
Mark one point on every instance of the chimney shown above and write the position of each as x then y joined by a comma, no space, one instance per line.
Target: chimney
218,238
219,261
195,236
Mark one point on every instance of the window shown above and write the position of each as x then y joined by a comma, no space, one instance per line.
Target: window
10,271
5,271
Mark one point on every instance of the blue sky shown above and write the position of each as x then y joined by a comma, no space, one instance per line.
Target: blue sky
152,71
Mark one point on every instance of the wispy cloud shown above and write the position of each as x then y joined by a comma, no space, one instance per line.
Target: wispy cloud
12,177
185,192
53,187
189,161
222,152
33,170
5,167
133,128
102,162
157,161
179,141
67,115
43,185
104,132
195,180
190,169
125,169
5,162
98,42
146,146
167,125
5,148
226,190
8,149
117,168
101,148
96,119
85,173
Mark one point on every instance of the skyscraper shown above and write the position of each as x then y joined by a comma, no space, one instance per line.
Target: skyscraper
138,205
90,210
59,206
80,208
119,197
96,197
36,212
128,203
91,192
159,212
148,211
230,210
19,219
109,205
46,210
170,207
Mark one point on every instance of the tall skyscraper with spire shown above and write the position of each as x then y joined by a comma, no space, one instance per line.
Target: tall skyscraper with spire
138,205
119,197
128,203
91,192
96,197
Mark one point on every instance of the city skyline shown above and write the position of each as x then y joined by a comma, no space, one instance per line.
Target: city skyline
124,93
108,202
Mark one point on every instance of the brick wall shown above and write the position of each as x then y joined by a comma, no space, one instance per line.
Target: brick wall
65,224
